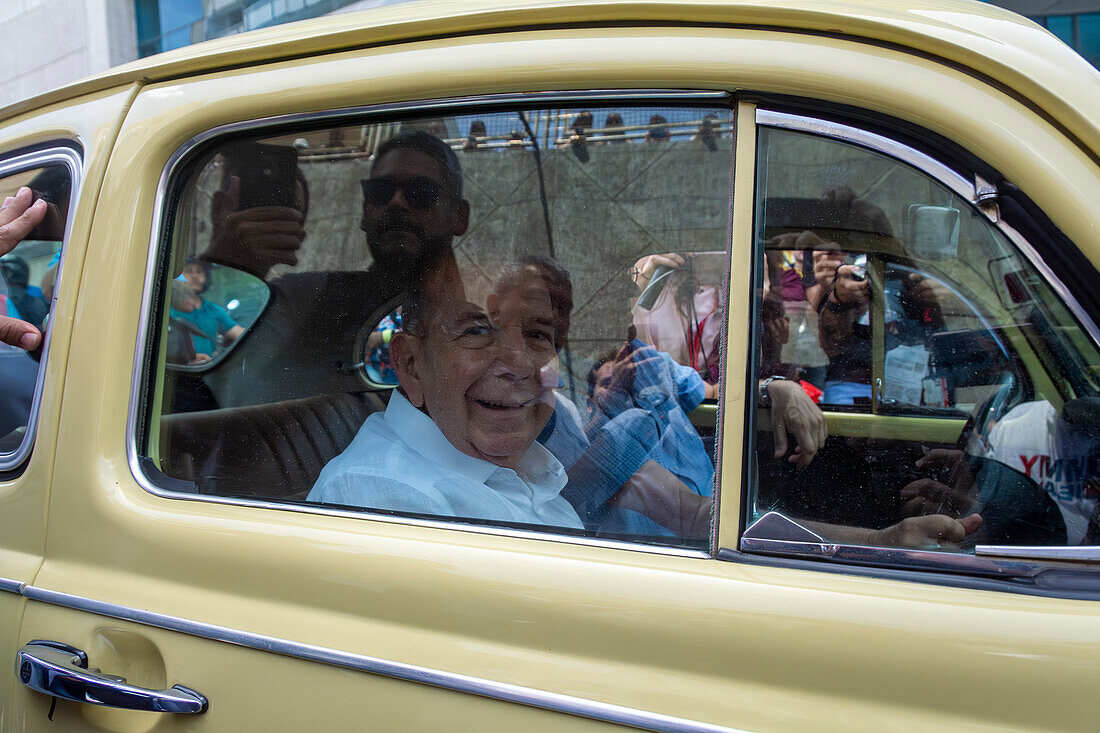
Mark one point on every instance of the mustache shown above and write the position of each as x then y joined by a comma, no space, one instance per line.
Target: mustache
394,221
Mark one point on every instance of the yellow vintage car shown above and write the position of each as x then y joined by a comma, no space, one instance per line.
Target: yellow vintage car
770,400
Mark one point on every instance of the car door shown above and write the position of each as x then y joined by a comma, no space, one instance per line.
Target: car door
281,612
62,161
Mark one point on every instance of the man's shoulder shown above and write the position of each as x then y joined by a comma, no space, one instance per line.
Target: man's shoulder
375,451
311,285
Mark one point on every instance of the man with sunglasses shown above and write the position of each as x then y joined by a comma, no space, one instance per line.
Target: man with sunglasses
412,210
412,201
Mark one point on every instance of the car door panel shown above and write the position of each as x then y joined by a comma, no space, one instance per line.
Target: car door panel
90,125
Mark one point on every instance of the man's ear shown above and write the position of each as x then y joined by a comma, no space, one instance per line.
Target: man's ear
461,218
406,353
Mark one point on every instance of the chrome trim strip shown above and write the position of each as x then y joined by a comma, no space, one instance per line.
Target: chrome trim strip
71,159
542,699
1078,553
525,534
870,140
12,586
144,317
893,557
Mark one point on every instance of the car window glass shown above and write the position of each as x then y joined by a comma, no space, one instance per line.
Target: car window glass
959,393
509,318
28,275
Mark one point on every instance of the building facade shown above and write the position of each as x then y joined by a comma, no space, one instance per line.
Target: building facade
53,42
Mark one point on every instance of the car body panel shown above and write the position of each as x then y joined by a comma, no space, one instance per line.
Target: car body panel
1037,66
90,124
677,634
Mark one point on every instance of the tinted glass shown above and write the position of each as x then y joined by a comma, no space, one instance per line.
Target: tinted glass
960,394
547,288
27,277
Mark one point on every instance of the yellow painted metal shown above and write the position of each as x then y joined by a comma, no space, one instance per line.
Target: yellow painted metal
737,392
746,646
927,430
1036,66
91,124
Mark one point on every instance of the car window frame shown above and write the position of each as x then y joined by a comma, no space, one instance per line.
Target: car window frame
145,471
66,154
1033,570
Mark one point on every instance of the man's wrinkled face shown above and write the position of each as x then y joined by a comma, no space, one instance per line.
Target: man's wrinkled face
479,372
408,223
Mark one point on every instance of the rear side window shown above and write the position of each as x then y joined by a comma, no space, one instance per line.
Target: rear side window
508,317
29,276
960,394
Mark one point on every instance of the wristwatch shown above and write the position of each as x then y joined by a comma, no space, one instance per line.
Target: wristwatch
765,398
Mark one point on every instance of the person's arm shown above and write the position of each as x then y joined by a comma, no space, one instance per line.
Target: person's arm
644,268
616,450
843,303
227,327
794,412
233,334
18,216
253,240
691,390
655,492
931,531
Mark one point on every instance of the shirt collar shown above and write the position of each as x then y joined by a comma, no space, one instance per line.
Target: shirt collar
421,434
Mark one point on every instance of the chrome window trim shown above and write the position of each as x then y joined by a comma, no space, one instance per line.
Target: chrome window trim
531,697
1076,553
444,524
178,157
871,141
893,557
71,159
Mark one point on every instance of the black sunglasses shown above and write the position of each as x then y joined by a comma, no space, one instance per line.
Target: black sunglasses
419,192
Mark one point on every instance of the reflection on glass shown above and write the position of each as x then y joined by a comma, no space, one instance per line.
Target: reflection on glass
962,395
549,349
211,306
27,277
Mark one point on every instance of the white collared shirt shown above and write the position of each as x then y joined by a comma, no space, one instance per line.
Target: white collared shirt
401,461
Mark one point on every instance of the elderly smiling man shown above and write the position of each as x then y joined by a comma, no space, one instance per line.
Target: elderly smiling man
458,438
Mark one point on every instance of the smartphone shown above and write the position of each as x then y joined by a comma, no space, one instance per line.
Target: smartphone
267,173
859,267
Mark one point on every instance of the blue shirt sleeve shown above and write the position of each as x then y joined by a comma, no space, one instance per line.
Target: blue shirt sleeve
690,387
616,450
222,317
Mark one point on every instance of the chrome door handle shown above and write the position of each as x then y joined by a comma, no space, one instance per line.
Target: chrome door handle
62,671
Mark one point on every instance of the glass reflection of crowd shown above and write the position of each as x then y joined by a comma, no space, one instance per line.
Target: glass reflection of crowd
36,212
1022,472
581,131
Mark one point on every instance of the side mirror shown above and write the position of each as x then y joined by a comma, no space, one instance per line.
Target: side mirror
933,232
205,326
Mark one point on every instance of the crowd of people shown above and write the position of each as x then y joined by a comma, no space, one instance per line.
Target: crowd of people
582,131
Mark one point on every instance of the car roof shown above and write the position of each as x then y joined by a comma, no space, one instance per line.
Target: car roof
1008,50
